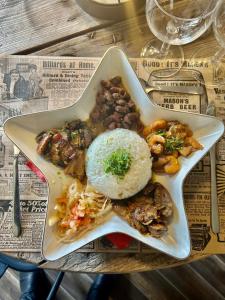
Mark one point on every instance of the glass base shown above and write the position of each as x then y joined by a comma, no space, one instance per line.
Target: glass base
170,61
206,56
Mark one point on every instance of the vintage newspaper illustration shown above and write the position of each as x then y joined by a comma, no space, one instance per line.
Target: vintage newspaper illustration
30,84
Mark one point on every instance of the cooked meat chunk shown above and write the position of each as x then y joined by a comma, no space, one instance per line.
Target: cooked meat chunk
44,143
148,211
67,153
87,137
163,201
76,167
146,214
75,138
40,136
81,138
54,154
138,225
148,189
63,146
157,229
76,124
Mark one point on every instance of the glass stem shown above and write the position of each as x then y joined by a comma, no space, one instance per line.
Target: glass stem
216,59
164,49
218,56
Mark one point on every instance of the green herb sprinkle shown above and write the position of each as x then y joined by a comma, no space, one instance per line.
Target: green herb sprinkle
173,144
118,163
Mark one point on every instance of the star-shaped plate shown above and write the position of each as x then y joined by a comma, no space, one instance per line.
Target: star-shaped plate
22,130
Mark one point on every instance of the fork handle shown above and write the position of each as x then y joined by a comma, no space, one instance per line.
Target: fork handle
214,201
16,199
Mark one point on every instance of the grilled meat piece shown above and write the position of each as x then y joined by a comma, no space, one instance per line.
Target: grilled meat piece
148,210
63,146
128,215
40,136
157,229
44,143
54,154
76,138
163,201
76,124
87,137
81,138
67,153
148,189
146,214
138,225
76,167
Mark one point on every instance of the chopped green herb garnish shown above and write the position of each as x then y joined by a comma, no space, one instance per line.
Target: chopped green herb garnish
74,134
161,132
172,144
118,163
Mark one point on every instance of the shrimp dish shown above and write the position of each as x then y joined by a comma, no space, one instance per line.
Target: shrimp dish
168,140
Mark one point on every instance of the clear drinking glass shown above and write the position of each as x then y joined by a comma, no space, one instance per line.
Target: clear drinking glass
174,23
215,56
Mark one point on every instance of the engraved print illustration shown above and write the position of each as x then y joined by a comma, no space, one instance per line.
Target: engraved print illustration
2,153
20,90
200,236
2,216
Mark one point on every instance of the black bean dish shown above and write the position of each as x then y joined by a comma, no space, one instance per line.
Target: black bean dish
114,107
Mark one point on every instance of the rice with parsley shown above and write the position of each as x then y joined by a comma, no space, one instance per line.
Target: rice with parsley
118,163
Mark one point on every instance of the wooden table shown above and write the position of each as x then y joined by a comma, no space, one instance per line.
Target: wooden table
61,28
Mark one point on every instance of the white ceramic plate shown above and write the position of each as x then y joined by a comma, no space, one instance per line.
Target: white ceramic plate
23,129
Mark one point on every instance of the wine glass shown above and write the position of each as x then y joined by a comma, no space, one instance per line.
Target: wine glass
174,23
215,56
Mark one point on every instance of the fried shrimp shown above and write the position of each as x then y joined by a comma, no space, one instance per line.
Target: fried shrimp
157,125
180,131
193,142
160,162
172,166
155,143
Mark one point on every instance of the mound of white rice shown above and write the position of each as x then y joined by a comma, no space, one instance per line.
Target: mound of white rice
136,177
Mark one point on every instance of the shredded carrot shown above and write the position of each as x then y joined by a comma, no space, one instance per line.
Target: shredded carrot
74,209
64,224
86,221
61,200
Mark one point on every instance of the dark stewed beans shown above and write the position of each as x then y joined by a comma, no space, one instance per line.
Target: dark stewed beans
114,107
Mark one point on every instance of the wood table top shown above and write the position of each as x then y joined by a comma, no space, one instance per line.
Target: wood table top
61,28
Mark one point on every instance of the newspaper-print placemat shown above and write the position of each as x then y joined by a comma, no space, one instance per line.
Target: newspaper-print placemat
29,84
